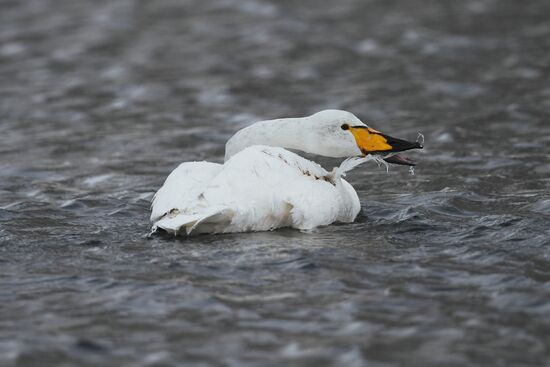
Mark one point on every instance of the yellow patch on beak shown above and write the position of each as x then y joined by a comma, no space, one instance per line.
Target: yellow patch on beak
370,140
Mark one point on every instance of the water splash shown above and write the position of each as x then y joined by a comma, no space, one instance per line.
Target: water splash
420,138
411,170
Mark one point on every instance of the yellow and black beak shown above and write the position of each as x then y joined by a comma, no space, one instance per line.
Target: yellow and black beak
371,141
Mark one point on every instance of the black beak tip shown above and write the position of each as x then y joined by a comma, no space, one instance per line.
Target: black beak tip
400,160
400,145
408,146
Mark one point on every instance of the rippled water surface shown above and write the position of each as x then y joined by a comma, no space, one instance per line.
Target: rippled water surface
100,100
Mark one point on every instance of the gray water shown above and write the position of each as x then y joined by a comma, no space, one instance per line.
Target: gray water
100,100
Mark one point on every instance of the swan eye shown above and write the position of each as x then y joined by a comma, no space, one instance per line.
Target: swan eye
345,127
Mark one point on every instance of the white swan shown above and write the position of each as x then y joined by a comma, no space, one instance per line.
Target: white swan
262,186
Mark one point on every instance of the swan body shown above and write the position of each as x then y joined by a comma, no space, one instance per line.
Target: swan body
260,188
262,185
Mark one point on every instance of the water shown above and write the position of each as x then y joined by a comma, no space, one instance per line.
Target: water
100,100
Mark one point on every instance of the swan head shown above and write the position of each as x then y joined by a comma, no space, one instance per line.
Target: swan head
338,133
330,133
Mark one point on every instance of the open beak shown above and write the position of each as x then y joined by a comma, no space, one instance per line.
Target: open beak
371,141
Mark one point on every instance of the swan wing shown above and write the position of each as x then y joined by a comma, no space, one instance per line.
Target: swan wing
271,187
182,188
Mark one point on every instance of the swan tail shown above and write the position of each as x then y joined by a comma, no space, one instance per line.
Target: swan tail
176,222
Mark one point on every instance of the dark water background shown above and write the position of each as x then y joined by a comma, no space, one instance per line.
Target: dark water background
100,100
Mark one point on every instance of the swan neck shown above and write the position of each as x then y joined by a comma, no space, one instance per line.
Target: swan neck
283,133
